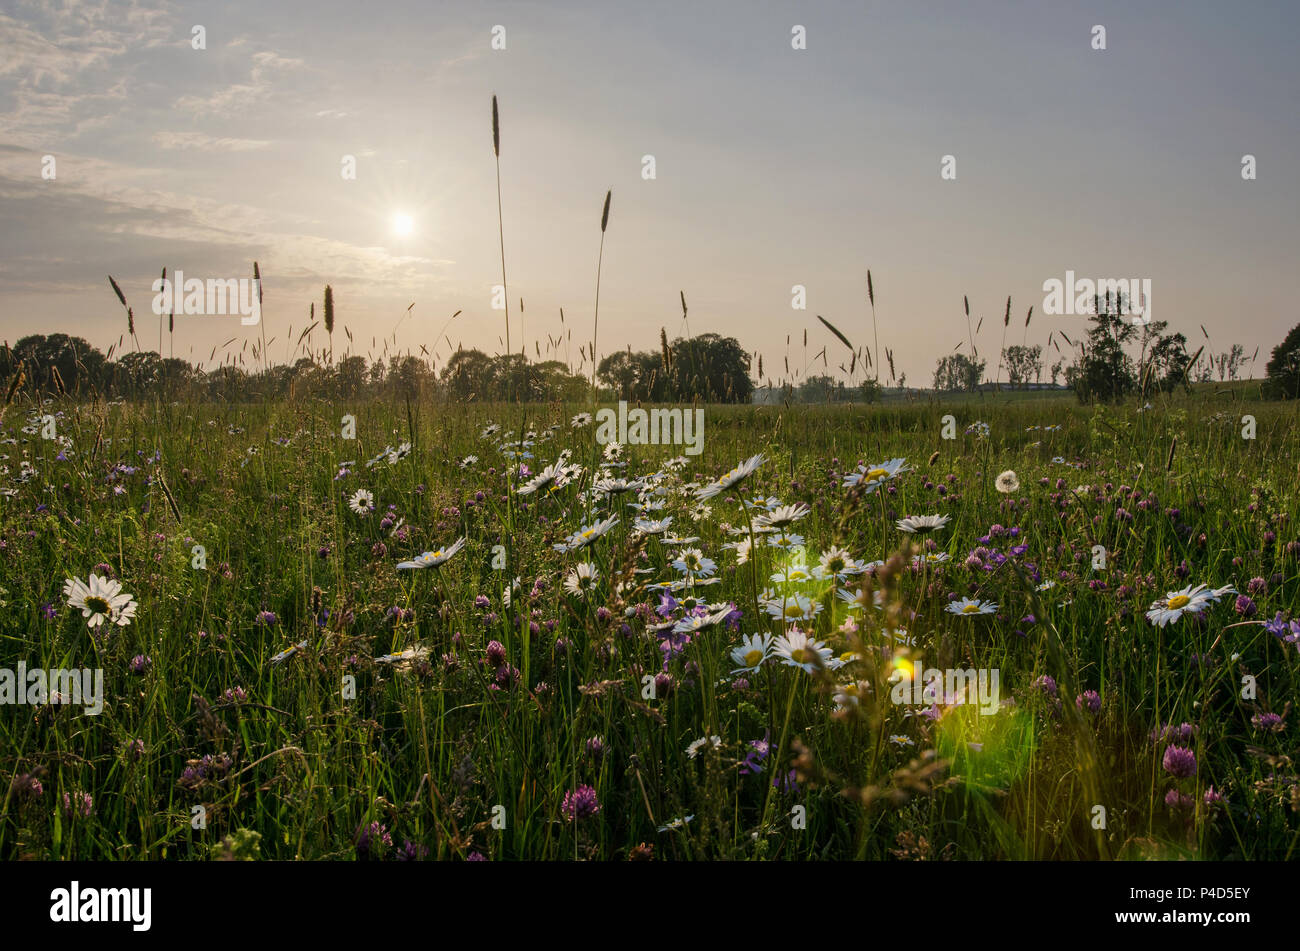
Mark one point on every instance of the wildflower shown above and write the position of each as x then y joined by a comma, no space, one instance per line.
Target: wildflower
918,524
873,477
102,600
1190,600
581,579
372,840
1007,482
1179,762
362,502
732,478
796,607
78,804
971,606
692,563
553,476
582,419
580,803
797,649
837,563
1089,700
432,559
588,535
751,653
694,748
648,527
783,516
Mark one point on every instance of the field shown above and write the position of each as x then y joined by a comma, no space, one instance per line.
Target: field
283,689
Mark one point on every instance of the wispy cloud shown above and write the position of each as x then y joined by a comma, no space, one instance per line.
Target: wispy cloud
186,141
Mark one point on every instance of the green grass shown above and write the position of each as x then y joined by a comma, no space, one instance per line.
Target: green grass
430,751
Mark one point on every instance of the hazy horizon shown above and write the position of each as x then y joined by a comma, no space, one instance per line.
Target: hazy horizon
774,166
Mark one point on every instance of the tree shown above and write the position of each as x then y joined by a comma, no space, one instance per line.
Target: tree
79,365
1283,370
958,372
1023,363
1167,361
468,376
1105,370
710,368
1229,364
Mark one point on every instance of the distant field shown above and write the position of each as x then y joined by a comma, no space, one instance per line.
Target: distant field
607,707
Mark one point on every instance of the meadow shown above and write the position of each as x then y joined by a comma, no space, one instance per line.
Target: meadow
640,655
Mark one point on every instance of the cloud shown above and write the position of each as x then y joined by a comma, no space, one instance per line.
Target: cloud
186,141
238,97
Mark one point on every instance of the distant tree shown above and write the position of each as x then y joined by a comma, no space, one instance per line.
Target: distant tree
78,364
621,372
1105,371
350,376
711,369
820,389
869,390
1023,363
1229,364
1166,361
958,372
1283,371
468,375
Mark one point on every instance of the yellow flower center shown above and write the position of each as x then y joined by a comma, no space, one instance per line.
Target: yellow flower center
798,654
793,610
1178,601
970,609
877,473
752,657
97,605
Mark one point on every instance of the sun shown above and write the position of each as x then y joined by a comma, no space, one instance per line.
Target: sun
403,224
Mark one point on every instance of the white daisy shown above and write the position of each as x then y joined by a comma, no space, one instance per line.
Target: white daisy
693,750
795,607
581,579
751,653
783,516
362,502
732,478
432,559
586,536
102,600
1190,600
873,477
692,563
971,606
837,563
797,649
919,524
582,419
648,527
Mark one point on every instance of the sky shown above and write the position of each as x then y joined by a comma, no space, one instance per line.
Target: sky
774,167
